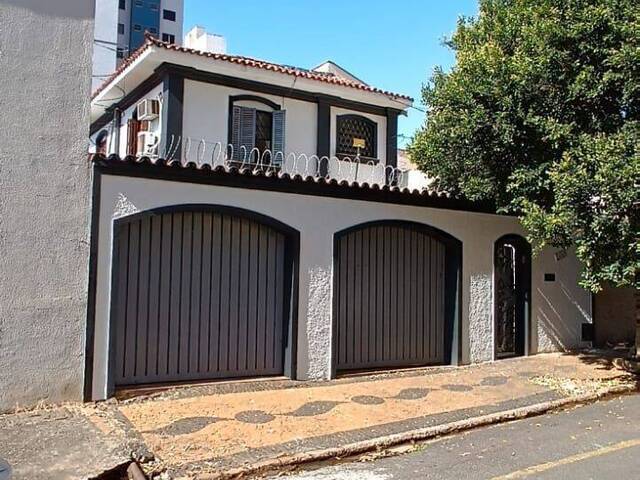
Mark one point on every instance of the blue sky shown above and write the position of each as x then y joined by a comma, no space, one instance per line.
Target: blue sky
390,44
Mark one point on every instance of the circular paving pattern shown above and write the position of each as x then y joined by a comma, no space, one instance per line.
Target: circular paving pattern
254,416
493,381
412,393
311,409
185,425
367,400
457,388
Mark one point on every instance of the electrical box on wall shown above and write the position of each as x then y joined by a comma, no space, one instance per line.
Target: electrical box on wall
587,332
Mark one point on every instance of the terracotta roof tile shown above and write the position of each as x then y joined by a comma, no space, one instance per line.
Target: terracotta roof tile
249,62
432,198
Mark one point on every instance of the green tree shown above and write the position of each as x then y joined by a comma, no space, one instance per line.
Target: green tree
541,114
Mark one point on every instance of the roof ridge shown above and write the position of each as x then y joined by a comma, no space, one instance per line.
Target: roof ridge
247,61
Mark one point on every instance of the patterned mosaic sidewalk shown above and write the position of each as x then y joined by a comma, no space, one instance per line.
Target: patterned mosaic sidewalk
204,429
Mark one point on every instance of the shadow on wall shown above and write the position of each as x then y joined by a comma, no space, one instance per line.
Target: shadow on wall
553,328
82,9
558,332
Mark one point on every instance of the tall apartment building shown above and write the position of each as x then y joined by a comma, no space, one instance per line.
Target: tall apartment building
120,27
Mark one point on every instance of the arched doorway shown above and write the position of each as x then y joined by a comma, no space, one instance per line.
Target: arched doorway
512,296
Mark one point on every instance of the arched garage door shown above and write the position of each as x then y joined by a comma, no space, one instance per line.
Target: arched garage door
199,293
396,287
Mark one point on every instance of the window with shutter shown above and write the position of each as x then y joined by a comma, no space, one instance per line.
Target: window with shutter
252,128
277,136
243,135
133,128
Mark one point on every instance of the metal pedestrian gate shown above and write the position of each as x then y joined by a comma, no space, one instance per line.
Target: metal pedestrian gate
198,294
390,297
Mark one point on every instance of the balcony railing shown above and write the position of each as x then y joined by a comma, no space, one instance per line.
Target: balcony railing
356,169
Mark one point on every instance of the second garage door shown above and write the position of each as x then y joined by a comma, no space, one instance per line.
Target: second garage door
390,305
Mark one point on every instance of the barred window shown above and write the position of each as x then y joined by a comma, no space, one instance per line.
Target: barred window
356,135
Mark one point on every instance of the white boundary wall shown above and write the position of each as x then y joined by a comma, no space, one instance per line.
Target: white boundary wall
558,309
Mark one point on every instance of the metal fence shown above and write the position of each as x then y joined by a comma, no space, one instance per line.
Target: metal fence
353,169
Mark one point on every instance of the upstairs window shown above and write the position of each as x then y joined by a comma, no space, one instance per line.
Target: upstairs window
137,28
260,129
121,28
167,37
153,30
356,136
169,15
154,6
122,4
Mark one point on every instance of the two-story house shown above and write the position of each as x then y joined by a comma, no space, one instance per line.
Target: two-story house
249,220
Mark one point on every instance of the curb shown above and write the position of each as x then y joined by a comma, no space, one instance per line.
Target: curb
412,435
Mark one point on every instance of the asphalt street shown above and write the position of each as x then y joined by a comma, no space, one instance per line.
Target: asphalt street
597,441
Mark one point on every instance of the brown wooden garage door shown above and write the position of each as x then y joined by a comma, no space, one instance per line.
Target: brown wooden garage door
390,297
198,295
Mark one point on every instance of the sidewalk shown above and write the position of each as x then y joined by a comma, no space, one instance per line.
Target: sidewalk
236,427
65,442
221,429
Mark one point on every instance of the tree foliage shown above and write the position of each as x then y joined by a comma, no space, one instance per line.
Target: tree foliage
541,114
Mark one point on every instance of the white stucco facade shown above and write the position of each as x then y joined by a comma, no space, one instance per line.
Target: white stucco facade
206,116
203,85
558,308
205,131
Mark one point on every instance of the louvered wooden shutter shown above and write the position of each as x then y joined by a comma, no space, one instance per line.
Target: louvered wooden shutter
243,131
133,127
277,136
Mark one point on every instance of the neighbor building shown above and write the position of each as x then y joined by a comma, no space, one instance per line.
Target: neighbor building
199,39
121,25
45,202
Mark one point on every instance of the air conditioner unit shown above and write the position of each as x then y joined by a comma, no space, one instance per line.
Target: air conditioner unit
147,144
148,109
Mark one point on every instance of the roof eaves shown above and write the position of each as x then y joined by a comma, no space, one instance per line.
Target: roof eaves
426,197
249,62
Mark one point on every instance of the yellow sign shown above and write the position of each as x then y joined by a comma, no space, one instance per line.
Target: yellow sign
359,143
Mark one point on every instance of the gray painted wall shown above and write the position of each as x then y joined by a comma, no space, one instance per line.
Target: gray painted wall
558,308
45,60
